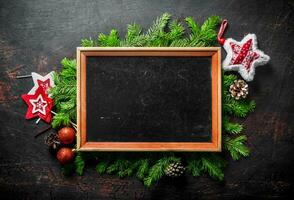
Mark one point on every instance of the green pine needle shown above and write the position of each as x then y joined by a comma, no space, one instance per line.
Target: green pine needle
111,40
60,119
88,42
143,169
239,108
102,166
236,146
79,164
157,170
228,80
194,166
211,23
193,26
229,127
213,164
134,30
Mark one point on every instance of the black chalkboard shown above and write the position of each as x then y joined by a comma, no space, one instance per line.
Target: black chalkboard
150,99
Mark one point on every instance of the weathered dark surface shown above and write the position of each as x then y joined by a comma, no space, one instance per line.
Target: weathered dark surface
36,35
148,99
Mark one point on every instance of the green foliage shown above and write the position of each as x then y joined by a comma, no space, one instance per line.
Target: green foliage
236,146
60,119
64,94
228,80
79,163
143,168
111,40
157,170
238,108
161,34
211,163
229,127
194,165
88,42
204,36
150,167
101,167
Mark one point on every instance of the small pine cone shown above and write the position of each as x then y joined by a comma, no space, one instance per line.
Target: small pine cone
175,169
52,141
239,89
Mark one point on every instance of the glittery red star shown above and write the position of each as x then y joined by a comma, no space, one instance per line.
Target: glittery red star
39,105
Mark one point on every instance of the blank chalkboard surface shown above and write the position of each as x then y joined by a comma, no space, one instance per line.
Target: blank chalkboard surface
149,99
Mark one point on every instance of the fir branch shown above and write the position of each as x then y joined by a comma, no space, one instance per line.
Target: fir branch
157,170
176,31
88,43
143,168
180,43
236,146
133,31
102,166
155,33
229,127
228,80
111,40
129,168
79,163
194,166
69,69
204,36
239,108
193,26
120,166
60,119
64,94
211,23
213,164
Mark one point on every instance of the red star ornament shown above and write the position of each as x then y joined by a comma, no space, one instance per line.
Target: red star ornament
46,82
244,56
39,105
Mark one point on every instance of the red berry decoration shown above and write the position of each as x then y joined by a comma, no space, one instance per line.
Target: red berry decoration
66,135
65,155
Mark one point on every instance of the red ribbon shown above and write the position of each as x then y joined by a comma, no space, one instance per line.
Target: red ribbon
221,31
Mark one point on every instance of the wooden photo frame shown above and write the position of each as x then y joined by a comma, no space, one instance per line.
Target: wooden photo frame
84,56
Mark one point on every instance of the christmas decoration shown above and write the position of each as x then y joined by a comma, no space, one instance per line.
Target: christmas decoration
39,105
243,56
46,82
53,142
239,89
65,155
66,135
152,166
175,169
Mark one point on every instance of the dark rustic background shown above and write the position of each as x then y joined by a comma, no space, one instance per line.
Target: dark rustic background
36,35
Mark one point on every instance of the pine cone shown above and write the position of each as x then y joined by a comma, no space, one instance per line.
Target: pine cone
175,169
52,141
239,89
